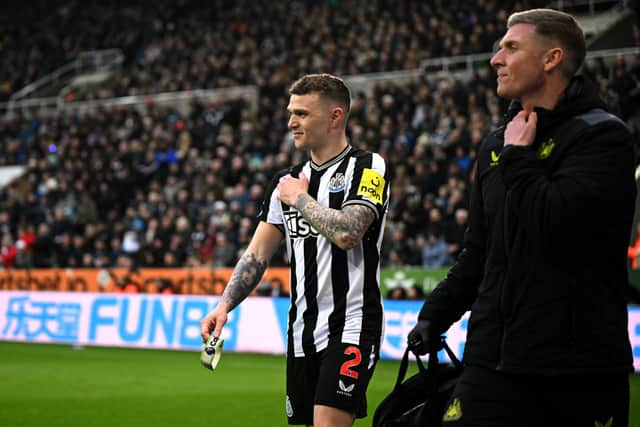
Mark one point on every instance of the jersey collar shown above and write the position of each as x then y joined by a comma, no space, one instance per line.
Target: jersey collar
331,162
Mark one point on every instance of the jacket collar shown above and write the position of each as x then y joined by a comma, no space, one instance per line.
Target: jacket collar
579,96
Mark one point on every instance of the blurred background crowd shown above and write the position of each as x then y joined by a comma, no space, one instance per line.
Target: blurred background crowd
158,187
182,45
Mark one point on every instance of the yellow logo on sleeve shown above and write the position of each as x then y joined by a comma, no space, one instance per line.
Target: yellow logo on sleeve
371,185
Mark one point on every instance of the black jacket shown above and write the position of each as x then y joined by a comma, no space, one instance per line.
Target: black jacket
544,270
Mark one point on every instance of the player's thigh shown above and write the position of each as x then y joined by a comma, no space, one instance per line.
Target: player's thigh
327,416
345,372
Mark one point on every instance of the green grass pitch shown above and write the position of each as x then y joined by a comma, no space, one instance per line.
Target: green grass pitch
55,385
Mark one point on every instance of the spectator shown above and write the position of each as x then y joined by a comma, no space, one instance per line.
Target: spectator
454,235
400,249
224,255
397,293
43,248
435,253
415,293
8,251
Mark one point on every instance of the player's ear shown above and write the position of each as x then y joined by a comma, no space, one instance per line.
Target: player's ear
337,115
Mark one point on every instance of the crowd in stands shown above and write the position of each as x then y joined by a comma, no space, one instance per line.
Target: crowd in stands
155,187
189,44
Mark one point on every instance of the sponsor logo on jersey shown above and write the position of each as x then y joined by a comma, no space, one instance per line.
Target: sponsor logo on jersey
298,227
371,185
337,183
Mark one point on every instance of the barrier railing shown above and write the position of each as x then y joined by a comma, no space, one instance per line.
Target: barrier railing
179,100
467,63
461,67
87,61
589,6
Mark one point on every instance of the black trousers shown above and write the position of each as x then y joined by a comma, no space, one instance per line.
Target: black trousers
488,398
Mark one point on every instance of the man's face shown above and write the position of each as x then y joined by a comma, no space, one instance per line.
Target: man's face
520,63
310,120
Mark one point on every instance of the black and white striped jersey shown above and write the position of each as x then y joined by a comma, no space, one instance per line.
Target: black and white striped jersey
335,294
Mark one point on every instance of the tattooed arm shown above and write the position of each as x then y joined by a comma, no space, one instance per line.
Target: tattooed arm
246,276
343,227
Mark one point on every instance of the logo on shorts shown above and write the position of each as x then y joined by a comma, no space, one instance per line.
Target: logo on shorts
454,411
345,390
337,183
372,357
289,408
608,424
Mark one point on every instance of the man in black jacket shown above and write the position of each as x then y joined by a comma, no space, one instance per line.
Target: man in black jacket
543,269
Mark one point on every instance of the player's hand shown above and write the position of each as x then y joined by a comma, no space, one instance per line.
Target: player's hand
423,338
213,322
521,131
289,188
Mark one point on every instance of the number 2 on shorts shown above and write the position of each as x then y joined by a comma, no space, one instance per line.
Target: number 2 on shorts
345,369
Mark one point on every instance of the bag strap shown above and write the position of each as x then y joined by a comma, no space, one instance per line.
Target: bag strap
454,360
431,366
404,364
432,379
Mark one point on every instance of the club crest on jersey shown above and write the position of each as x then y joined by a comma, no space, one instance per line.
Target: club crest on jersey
371,185
297,226
337,183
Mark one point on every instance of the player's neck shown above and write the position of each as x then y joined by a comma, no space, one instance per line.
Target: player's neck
328,151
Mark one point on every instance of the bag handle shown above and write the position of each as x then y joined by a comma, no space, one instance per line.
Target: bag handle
431,388
431,366
404,364
454,360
